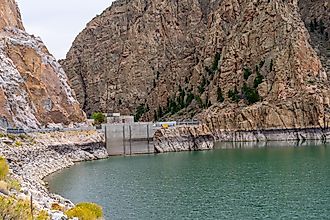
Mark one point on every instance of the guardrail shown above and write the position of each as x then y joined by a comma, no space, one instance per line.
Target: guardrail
177,123
45,130
157,125
192,122
15,131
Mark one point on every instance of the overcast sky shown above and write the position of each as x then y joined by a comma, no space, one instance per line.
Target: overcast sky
58,22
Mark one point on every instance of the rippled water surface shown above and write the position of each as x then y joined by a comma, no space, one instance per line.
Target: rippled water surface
253,183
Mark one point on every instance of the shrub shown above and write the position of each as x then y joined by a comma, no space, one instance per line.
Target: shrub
233,95
190,98
251,95
14,209
271,66
312,26
43,215
201,87
247,73
11,136
199,101
99,118
160,112
18,144
215,63
140,111
85,211
262,63
220,97
3,187
258,80
155,115
14,184
208,103
4,168
23,136
321,27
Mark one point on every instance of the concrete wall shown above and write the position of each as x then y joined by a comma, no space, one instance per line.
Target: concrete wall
120,119
129,138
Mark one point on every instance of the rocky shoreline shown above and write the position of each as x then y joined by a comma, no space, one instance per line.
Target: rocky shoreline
195,138
33,157
183,138
264,135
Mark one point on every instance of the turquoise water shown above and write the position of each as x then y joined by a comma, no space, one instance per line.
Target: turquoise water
254,183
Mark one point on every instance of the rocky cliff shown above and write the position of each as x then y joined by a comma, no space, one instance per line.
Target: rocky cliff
234,64
34,89
316,15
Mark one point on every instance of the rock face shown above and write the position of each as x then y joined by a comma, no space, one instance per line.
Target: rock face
297,136
234,64
10,15
184,138
34,89
316,15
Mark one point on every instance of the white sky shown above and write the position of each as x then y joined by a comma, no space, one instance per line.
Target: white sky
58,22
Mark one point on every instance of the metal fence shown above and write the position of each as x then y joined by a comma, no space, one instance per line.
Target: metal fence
45,130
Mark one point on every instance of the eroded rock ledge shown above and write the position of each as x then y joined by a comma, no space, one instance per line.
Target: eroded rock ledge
33,157
285,134
194,138
183,138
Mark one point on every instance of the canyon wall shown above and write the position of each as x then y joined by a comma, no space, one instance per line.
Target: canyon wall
233,64
34,89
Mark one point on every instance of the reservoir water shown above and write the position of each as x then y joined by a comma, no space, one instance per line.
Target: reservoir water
273,182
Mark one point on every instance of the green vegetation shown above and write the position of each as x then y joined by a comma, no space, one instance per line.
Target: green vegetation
318,26
4,168
247,73
220,97
216,60
261,64
85,211
251,95
201,87
140,111
189,99
215,65
271,66
43,215
99,118
160,112
18,144
14,184
258,80
199,101
207,103
321,27
10,207
14,209
233,95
